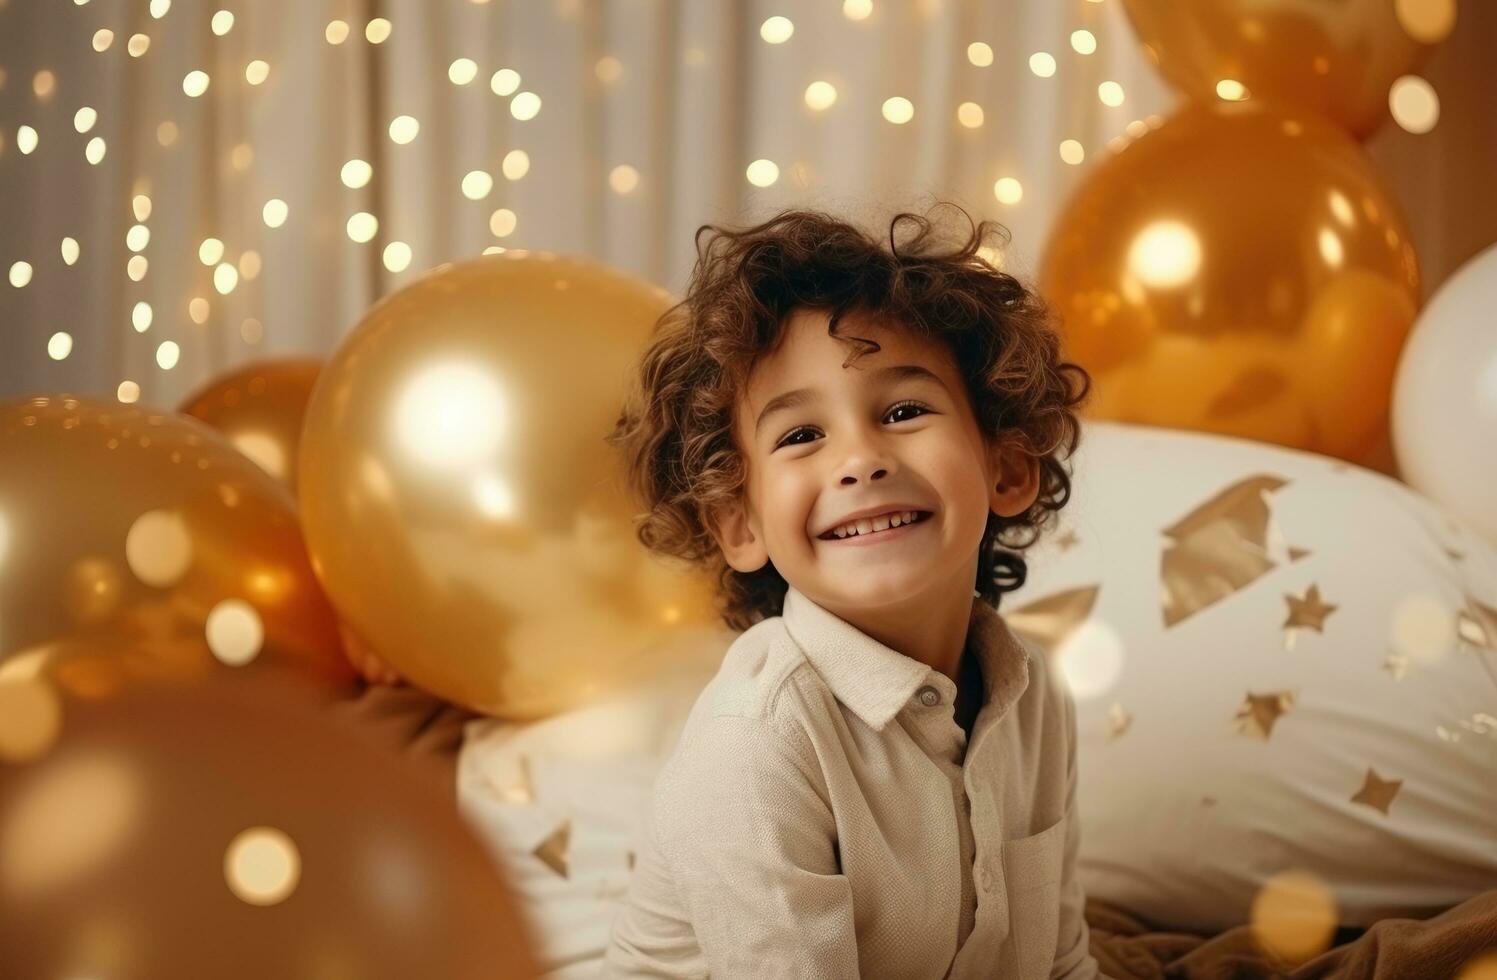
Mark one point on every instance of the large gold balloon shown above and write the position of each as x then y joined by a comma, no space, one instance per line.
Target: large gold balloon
1334,57
118,521
460,503
227,826
259,408
1240,270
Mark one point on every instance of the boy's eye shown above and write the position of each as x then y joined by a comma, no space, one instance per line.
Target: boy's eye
915,407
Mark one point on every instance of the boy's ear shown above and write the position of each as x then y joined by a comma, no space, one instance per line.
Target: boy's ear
741,542
1015,478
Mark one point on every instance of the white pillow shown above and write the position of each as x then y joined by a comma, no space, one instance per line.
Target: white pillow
1164,593
561,802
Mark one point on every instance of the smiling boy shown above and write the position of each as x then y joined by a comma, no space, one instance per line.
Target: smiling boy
880,780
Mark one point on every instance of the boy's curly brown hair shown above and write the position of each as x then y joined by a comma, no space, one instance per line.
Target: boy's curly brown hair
675,430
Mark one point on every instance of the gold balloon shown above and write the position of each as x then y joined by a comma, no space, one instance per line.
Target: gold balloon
118,521
460,503
1240,270
259,408
231,826
1334,58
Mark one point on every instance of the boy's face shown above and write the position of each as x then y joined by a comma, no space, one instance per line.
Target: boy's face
892,431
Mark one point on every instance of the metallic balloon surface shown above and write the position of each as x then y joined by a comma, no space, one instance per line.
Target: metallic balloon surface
119,521
1241,270
1337,58
260,408
461,506
229,825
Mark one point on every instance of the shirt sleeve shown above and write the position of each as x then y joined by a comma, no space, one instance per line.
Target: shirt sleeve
1073,958
750,836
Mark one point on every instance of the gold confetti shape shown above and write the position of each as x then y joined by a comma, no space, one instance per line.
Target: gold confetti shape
1218,549
553,851
1258,712
1377,792
1305,612
1050,620
1397,665
1476,625
1067,540
1118,721
1296,553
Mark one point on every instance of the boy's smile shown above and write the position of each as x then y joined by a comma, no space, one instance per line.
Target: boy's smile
835,443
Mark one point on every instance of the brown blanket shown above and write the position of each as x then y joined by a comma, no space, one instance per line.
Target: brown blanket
430,731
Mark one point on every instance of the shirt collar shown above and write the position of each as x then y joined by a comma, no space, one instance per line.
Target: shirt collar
876,681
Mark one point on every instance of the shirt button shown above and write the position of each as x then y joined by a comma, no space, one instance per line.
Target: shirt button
929,696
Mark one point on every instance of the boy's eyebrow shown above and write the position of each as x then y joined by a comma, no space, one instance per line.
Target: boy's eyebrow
793,399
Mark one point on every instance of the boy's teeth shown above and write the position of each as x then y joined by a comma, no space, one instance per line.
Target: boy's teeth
881,523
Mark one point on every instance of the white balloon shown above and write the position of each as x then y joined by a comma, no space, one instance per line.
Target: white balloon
1445,396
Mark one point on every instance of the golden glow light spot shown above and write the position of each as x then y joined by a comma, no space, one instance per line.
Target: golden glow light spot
403,129
516,164
608,69
140,204
821,96
1231,90
241,157
898,110
969,114
1072,152
256,72
44,84
233,628
502,223
60,345
1111,93
377,31
225,278
198,310
159,8
362,226
249,265
69,250
94,151
397,256
1083,41
210,251
26,139
20,274
505,81
140,316
30,717
857,9
158,546
195,83
1042,63
623,178
103,38
262,866
137,238
167,355
128,392
275,212
1008,190
337,32
1414,104
776,30
980,54
251,331
1426,21
138,45
477,184
166,133
525,105
356,173
136,267
762,173
222,22
1294,915
462,71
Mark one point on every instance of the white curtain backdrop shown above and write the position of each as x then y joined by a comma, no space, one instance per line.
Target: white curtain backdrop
687,93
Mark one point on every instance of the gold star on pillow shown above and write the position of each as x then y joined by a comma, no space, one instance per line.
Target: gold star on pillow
554,851
1258,712
1308,611
1376,792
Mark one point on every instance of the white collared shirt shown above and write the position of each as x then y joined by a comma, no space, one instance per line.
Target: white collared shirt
822,816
